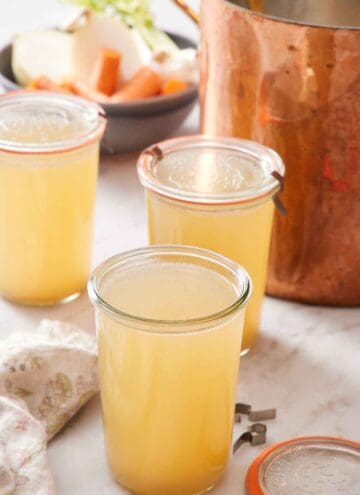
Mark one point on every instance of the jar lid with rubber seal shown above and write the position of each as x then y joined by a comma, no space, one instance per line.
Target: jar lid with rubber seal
212,171
48,123
307,466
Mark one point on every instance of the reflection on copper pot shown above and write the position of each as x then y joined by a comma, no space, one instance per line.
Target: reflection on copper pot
296,88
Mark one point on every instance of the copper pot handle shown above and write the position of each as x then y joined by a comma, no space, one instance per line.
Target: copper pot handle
190,12
255,5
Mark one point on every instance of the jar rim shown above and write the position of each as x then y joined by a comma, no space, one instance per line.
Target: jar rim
91,111
177,325
151,156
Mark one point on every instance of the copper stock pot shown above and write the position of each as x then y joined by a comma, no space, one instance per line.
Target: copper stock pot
287,74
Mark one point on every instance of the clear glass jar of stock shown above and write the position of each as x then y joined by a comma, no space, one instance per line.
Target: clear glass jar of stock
49,155
168,361
215,193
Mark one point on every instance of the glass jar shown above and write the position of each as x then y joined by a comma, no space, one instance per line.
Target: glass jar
169,322
49,155
215,193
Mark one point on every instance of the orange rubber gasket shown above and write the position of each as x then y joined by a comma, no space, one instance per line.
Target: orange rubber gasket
252,477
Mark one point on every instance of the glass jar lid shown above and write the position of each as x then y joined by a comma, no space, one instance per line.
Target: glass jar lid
46,122
205,170
309,465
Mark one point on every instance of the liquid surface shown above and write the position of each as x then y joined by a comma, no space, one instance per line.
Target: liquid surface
214,171
204,291
168,398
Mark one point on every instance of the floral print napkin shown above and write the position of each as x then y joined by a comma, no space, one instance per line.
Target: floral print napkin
24,469
45,378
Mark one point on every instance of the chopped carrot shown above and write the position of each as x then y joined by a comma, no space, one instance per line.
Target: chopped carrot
173,86
143,84
45,83
106,72
73,87
67,86
31,86
81,89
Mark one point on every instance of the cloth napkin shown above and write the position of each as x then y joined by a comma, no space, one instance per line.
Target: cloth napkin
45,378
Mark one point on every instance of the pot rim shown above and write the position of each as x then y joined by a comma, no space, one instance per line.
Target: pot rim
291,21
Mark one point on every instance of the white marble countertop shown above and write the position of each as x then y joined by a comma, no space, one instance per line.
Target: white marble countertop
306,362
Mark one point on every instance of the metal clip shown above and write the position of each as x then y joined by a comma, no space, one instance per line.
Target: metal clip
101,110
258,439
280,206
237,417
279,178
262,415
257,428
155,152
241,408
277,201
256,435
246,437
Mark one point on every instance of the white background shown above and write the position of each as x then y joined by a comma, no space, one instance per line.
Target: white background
22,15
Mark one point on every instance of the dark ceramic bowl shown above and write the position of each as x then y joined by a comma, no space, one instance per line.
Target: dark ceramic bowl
135,125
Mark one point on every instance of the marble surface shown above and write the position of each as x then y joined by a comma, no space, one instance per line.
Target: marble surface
306,362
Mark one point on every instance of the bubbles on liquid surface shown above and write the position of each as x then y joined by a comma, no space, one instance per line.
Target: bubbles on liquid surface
39,124
212,171
314,471
168,291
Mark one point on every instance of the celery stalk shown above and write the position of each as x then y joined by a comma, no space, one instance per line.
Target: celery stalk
136,14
